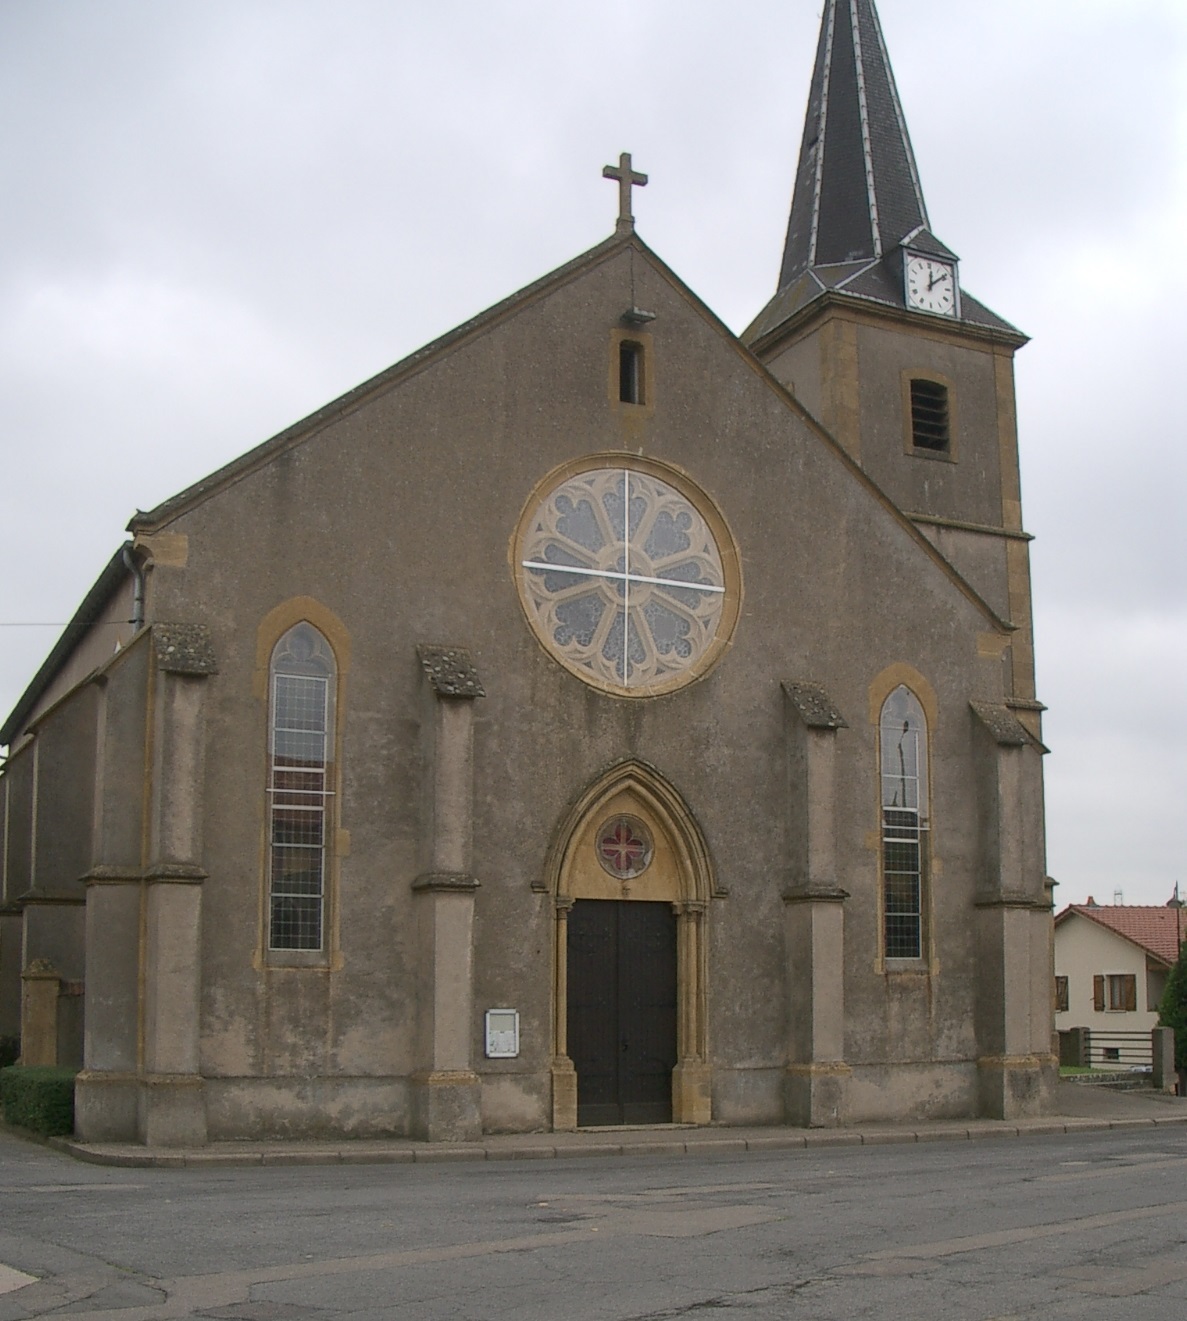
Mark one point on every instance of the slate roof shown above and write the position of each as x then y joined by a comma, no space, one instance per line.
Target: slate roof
85,617
857,191
857,197
1155,930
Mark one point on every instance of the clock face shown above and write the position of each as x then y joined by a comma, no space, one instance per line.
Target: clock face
627,575
931,285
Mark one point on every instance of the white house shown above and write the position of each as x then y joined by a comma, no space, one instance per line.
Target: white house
1111,966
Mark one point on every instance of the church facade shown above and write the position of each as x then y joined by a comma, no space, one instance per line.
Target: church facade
595,718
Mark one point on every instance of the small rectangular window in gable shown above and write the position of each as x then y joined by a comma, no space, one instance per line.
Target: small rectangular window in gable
929,416
1061,995
630,372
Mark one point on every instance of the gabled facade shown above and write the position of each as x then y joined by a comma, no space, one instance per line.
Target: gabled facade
578,723
1111,964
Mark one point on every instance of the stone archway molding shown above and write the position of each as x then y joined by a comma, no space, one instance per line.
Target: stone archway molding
639,788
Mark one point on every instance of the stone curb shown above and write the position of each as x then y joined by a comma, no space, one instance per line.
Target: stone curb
649,1144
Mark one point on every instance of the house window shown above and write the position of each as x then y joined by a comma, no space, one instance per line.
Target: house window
1061,995
929,416
1115,993
630,372
903,762
300,793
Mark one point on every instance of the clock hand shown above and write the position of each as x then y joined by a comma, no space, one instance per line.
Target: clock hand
937,279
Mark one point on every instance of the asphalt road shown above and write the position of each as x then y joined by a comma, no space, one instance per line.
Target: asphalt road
1077,1226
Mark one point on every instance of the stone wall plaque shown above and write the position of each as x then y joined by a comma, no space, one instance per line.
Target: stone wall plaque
502,1034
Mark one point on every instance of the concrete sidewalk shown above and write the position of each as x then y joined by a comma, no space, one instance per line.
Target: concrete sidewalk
1079,1108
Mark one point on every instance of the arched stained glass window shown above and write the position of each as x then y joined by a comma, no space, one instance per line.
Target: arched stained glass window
903,762
300,792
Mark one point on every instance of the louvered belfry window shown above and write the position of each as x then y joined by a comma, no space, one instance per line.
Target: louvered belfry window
929,416
299,787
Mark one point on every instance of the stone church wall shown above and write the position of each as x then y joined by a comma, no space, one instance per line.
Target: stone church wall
395,519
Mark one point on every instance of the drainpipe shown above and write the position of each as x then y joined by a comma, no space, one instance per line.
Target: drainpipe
137,571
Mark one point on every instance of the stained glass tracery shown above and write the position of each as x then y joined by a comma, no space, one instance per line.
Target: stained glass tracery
903,757
623,578
300,740
624,847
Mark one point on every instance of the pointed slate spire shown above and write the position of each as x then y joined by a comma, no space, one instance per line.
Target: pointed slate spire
857,200
857,193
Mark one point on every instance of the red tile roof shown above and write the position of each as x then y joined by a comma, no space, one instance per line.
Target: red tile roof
1156,930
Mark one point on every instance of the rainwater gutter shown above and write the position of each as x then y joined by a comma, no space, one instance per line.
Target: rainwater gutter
137,571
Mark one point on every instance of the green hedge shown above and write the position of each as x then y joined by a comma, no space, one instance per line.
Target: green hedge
1173,1008
38,1098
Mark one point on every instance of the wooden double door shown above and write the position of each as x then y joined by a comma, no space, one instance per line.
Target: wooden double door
621,1012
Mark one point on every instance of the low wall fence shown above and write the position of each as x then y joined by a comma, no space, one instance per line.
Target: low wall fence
1122,1052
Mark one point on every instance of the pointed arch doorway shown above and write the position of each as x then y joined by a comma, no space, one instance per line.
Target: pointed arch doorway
631,880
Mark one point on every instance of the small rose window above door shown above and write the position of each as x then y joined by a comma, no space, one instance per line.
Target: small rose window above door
624,847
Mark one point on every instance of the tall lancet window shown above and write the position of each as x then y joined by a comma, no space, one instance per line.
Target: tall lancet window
300,787
903,757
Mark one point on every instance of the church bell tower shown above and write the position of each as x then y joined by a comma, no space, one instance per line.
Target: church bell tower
871,331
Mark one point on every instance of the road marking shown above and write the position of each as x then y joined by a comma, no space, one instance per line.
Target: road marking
676,1191
949,1247
14,1188
11,1279
188,1294
1111,1171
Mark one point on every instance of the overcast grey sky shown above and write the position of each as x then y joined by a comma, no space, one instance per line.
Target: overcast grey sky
217,215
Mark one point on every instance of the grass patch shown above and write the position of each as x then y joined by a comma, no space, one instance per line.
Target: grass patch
39,1099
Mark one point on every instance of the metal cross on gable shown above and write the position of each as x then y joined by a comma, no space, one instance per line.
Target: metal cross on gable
627,179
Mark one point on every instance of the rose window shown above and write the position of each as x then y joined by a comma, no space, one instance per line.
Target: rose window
624,847
623,580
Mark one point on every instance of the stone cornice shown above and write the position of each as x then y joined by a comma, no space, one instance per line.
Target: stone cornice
816,894
437,882
175,873
865,310
958,525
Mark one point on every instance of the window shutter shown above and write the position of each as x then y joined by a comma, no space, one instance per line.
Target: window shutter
1098,994
1131,992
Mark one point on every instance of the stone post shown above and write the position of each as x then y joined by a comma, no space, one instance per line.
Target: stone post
692,1078
172,1107
40,985
11,930
52,935
107,1091
564,1075
1016,1066
446,1092
816,1081
1075,1048
1162,1041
